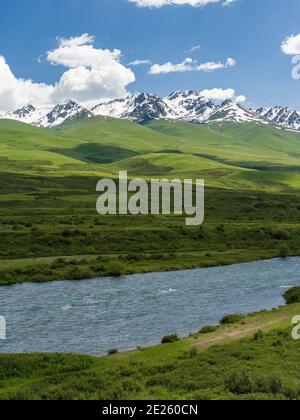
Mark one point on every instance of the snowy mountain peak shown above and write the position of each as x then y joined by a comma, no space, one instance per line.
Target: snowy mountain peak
182,94
282,116
147,107
189,105
230,111
65,111
135,107
28,114
69,103
25,111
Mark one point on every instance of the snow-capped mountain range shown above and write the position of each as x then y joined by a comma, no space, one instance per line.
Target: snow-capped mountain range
187,106
285,117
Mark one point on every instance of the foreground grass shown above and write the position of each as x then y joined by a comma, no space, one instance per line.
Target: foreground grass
253,359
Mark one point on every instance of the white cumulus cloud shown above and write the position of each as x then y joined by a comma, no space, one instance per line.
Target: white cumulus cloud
291,45
190,65
194,3
15,93
91,75
218,94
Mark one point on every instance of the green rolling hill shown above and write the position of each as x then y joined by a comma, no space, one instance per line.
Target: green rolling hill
249,145
243,156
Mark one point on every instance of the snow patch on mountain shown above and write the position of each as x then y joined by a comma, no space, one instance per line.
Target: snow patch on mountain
61,113
136,107
230,111
282,116
28,114
189,105
181,105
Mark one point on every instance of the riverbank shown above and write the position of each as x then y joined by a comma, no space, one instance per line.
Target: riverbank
85,267
255,358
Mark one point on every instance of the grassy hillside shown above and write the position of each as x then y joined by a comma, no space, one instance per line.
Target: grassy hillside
249,145
76,147
243,156
269,156
255,358
48,222
27,144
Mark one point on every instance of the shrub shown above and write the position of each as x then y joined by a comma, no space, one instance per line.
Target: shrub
111,352
271,385
208,329
221,228
280,234
193,352
170,339
115,269
284,251
292,295
240,383
258,336
231,319
131,257
66,233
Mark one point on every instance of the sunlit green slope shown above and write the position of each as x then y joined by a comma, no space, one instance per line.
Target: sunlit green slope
243,156
117,133
252,145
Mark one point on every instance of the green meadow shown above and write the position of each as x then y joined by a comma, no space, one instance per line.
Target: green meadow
253,358
48,222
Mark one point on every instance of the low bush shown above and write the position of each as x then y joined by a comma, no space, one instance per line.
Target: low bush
111,352
170,339
208,329
231,319
258,336
284,251
115,269
280,234
240,383
292,295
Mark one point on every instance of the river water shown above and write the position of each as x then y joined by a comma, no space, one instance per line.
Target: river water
92,316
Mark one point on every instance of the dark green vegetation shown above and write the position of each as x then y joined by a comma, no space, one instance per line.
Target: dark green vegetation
292,296
208,329
231,319
49,230
170,339
256,359
49,227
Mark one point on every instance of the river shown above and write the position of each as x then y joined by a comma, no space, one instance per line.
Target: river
92,316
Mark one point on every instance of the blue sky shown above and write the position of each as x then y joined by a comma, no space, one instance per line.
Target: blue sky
249,31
